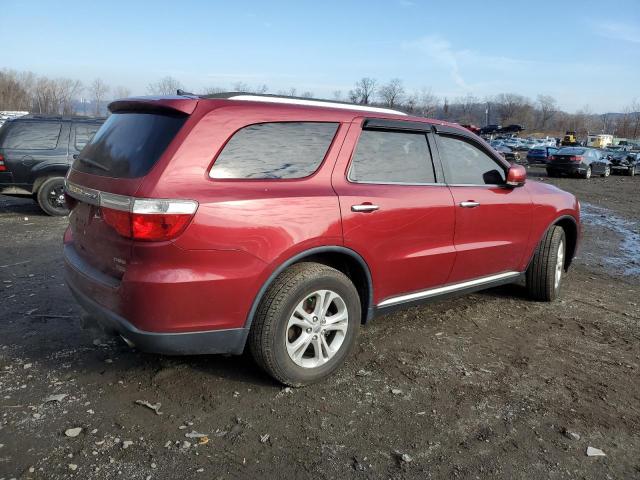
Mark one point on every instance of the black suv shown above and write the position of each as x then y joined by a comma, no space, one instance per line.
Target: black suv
36,152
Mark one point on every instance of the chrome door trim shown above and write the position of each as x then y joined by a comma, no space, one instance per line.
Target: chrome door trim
446,289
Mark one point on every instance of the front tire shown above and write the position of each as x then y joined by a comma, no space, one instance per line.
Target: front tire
50,197
544,275
306,324
607,171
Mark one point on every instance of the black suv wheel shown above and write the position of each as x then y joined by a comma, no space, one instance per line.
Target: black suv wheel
50,197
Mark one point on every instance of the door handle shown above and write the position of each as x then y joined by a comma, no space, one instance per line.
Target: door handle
365,207
469,204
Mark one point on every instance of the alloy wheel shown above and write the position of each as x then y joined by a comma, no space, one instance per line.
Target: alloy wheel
317,328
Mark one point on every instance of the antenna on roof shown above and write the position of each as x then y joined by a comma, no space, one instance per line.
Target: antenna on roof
182,93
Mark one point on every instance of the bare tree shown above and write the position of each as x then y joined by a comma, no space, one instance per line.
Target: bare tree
427,102
165,86
98,90
245,87
363,91
67,92
465,108
511,106
392,92
547,107
121,92
337,95
15,90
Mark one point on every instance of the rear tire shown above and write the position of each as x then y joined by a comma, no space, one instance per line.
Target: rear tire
631,171
544,275
306,324
587,173
50,197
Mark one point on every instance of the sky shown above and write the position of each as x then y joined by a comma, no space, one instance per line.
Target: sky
586,54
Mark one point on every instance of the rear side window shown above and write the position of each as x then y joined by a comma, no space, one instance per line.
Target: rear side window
275,151
466,164
84,133
128,145
33,136
391,157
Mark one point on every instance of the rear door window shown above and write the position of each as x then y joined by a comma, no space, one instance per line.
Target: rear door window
392,157
33,136
83,134
466,164
282,150
128,145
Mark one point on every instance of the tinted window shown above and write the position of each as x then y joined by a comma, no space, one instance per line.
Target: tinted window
84,133
392,157
275,150
33,135
571,151
465,163
128,145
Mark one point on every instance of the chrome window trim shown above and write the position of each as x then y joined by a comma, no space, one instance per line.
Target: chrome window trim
432,292
410,184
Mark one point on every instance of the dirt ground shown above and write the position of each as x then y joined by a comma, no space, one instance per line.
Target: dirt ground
490,385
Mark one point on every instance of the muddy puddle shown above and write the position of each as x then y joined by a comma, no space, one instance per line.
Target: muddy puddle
616,240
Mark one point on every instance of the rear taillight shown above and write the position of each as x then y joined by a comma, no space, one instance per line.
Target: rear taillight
146,219
575,158
3,167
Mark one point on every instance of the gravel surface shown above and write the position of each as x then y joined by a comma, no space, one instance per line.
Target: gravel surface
489,385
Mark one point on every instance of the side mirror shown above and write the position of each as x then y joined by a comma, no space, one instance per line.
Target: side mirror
516,176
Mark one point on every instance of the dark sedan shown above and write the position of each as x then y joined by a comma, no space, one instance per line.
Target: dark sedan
510,155
540,155
580,161
625,162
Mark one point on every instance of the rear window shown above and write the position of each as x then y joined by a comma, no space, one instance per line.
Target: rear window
32,136
275,151
128,145
571,151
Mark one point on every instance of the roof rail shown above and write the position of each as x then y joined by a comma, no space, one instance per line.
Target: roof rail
310,102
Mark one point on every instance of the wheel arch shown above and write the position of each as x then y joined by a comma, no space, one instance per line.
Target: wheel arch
343,259
570,226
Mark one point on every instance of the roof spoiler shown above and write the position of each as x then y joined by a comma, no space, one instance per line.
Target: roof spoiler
177,104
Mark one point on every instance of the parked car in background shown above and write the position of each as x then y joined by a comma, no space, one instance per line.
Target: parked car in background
581,161
540,155
35,155
624,162
489,129
9,114
513,128
203,224
509,154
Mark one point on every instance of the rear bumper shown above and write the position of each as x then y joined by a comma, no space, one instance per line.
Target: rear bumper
566,168
189,343
107,300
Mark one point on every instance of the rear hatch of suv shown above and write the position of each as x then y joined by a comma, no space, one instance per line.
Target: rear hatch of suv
108,172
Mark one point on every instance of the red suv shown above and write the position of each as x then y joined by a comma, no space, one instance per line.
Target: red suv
203,224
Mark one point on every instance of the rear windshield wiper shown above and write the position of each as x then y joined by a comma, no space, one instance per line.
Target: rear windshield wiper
93,163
